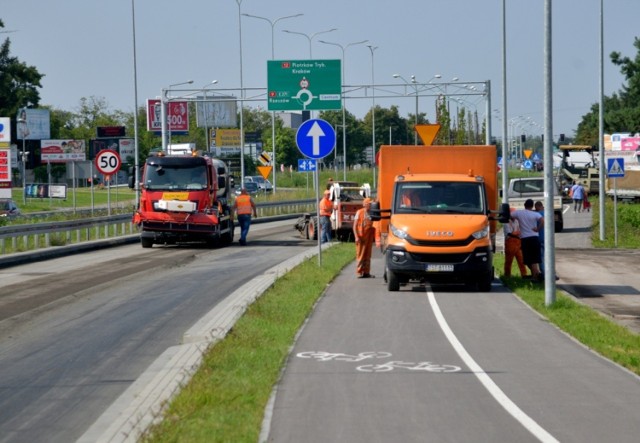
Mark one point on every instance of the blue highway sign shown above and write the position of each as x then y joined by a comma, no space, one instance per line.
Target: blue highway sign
316,138
306,165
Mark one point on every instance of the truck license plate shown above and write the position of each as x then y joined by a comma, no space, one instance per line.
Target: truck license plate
439,268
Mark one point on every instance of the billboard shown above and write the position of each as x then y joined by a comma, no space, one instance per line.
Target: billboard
123,146
62,151
33,124
177,116
217,112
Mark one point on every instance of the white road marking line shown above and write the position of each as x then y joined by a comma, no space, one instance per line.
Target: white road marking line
497,393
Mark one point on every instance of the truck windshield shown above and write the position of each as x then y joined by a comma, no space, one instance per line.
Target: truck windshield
439,198
175,177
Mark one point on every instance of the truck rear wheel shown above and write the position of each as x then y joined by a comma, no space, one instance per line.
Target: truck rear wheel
312,229
146,242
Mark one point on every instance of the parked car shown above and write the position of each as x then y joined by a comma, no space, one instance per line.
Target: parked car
263,184
251,187
8,208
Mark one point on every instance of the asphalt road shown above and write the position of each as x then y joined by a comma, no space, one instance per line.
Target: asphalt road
442,364
75,332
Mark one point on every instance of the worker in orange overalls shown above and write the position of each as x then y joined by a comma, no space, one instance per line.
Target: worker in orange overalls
410,198
513,248
364,233
243,207
326,209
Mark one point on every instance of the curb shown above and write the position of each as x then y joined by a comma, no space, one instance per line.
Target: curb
142,404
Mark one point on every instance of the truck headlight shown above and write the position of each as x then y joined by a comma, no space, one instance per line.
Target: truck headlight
484,232
398,232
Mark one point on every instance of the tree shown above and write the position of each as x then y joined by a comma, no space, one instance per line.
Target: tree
18,82
621,110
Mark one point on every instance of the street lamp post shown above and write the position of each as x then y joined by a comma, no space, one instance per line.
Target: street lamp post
310,37
344,124
163,112
373,113
136,150
239,2
415,88
273,113
23,121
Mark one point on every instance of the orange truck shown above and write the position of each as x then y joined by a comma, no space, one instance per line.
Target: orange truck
184,198
437,208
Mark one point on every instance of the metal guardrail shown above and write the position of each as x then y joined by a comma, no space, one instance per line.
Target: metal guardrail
28,237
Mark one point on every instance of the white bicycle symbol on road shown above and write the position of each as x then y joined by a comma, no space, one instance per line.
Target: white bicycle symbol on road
423,366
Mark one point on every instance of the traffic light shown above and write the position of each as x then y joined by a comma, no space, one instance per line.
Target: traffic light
523,138
561,137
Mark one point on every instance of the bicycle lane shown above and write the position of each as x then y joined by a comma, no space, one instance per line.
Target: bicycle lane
546,386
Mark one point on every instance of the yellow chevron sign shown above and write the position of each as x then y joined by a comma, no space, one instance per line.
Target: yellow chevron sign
265,159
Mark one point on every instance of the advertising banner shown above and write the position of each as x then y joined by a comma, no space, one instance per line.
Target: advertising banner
217,112
33,124
5,157
62,151
177,116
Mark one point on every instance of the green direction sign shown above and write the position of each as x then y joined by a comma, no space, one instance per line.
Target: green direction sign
304,85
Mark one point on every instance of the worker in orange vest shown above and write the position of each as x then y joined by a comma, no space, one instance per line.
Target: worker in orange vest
364,232
243,207
325,209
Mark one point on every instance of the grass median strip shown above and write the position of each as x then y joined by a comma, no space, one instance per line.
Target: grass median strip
225,399
592,329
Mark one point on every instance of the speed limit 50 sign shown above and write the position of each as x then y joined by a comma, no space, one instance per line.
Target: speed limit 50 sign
108,162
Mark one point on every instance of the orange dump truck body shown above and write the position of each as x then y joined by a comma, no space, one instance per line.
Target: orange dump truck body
441,203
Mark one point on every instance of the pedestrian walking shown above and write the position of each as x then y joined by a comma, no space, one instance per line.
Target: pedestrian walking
577,195
530,223
364,233
586,204
513,248
326,209
243,207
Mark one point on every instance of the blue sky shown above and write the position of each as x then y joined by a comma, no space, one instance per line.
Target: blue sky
85,48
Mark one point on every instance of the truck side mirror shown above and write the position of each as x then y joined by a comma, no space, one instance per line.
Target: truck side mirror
374,210
505,213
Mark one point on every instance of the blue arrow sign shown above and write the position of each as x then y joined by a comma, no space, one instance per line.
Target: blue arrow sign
615,167
306,165
528,164
316,138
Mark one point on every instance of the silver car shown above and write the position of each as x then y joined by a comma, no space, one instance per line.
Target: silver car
263,184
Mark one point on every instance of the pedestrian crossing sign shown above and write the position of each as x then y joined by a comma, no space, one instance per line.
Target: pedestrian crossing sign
615,167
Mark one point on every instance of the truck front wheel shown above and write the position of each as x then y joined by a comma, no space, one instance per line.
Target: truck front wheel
393,283
146,242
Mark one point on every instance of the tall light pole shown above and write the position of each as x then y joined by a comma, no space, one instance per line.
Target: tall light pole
273,113
601,160
344,123
373,113
23,121
239,2
310,37
163,112
136,164
505,115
